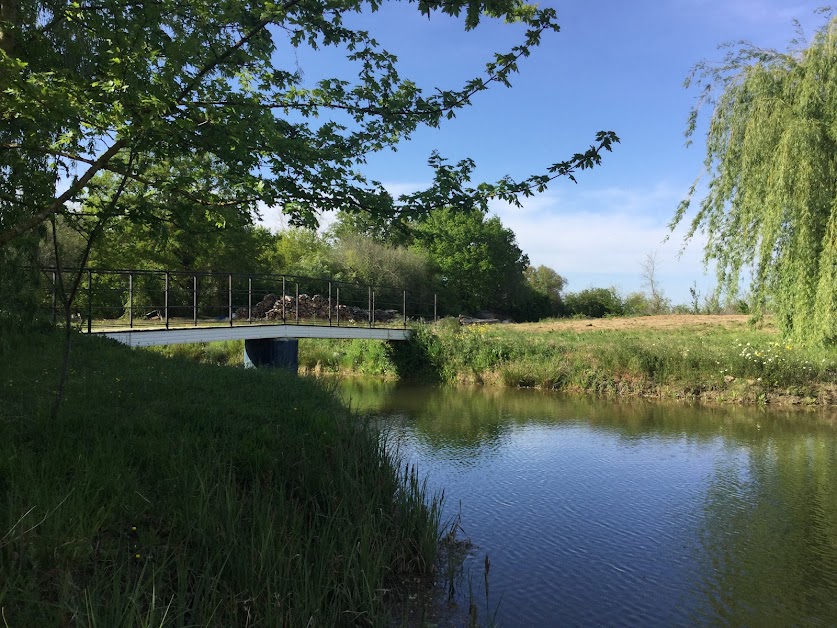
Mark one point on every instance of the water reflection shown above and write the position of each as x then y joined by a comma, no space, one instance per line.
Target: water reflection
769,534
629,513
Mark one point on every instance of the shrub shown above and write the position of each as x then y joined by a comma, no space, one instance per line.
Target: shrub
594,302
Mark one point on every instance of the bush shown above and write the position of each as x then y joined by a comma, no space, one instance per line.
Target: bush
594,303
637,304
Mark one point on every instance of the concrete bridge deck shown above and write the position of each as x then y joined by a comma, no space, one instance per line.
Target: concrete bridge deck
156,337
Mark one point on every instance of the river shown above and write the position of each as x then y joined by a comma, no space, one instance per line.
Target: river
629,513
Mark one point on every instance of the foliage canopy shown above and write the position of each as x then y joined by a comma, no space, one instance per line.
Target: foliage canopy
544,281
771,157
476,259
187,98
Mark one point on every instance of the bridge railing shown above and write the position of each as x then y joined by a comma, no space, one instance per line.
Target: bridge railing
150,299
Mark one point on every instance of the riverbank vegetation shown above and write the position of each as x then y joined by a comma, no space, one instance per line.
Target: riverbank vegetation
700,358
173,493
709,358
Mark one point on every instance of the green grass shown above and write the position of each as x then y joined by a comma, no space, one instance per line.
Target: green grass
223,353
366,357
171,493
715,363
694,362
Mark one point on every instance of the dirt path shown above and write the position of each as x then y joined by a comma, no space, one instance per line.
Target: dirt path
668,321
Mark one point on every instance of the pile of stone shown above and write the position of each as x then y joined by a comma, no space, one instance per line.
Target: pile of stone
271,306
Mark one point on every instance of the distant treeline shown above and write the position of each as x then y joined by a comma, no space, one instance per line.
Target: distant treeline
469,260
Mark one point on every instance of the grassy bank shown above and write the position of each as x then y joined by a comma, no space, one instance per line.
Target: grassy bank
707,358
358,357
710,358
171,493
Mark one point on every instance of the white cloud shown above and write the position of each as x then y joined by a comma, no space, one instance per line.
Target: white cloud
600,237
275,220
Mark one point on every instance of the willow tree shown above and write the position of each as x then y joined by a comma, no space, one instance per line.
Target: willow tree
770,207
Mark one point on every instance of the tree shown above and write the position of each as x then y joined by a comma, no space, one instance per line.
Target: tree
118,87
771,157
165,230
384,229
657,302
546,282
477,260
302,252
636,304
364,260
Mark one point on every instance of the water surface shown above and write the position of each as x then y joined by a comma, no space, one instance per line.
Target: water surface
627,513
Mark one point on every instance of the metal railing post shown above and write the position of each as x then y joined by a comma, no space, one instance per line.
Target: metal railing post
338,306
195,300
130,301
329,304
296,303
404,309
89,300
166,308
284,320
370,306
229,304
249,299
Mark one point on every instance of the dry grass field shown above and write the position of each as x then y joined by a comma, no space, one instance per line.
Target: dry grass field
672,322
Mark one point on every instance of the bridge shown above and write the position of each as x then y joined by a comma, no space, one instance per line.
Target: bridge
270,313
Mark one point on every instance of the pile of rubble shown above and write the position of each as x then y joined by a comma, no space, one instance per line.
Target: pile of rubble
316,306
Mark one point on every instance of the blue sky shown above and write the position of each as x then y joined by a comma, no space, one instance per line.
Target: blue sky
614,66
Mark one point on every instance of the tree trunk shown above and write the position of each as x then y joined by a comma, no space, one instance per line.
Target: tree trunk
65,361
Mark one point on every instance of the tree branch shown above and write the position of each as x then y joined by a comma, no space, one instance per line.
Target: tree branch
38,217
101,162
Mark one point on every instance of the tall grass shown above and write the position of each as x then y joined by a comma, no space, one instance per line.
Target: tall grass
221,353
367,357
170,493
706,362
719,363
699,361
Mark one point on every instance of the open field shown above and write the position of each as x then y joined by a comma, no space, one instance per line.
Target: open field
687,322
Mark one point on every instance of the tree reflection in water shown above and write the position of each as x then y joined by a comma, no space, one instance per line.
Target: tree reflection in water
717,515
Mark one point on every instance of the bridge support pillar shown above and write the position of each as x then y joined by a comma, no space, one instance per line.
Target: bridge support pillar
272,352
